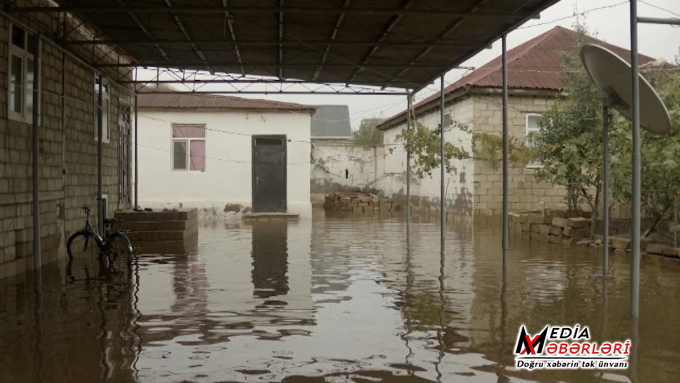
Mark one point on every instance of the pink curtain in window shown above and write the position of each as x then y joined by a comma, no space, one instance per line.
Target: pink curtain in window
188,131
197,155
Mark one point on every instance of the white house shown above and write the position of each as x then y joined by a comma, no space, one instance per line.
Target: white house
223,154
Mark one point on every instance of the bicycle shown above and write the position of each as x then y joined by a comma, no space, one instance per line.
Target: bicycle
114,244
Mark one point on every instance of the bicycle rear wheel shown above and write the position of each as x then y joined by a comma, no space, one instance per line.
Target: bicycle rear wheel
119,249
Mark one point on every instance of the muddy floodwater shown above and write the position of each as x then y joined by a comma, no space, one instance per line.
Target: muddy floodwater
334,300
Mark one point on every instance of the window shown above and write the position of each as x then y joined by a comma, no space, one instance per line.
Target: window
532,128
447,120
106,129
21,76
188,147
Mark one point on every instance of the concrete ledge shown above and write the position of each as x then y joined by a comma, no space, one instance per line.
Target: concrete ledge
271,216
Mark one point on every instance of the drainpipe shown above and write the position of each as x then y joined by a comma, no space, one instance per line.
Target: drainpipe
136,156
100,207
409,102
506,201
442,192
36,196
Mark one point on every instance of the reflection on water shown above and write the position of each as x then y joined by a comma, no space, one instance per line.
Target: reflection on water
341,299
270,259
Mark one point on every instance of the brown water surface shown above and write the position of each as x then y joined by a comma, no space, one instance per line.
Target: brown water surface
335,300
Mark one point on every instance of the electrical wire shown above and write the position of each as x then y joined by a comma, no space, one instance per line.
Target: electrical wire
575,14
659,8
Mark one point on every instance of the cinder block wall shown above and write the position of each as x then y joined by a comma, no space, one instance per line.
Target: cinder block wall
67,148
525,192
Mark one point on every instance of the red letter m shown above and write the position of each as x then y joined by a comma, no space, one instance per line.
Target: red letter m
533,346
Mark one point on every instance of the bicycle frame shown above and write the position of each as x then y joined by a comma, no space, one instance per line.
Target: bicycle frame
101,241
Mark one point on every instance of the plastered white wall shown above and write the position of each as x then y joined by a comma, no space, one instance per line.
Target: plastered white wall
228,173
342,165
458,182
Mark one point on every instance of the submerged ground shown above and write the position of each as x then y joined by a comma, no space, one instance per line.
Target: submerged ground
335,300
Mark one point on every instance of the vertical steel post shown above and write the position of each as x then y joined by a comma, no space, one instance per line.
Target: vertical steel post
442,166
409,104
100,206
136,155
37,262
605,188
505,149
635,235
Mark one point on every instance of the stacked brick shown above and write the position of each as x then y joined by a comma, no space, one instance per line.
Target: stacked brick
569,231
552,227
357,202
164,226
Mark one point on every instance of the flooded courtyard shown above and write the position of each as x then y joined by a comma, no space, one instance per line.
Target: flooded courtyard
336,300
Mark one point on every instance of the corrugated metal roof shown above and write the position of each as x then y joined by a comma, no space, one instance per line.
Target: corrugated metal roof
536,64
331,121
147,99
382,43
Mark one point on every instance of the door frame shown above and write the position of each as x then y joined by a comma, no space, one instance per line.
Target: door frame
284,138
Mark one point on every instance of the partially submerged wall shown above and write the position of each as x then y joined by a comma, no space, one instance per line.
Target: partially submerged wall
341,165
67,158
425,192
525,191
225,188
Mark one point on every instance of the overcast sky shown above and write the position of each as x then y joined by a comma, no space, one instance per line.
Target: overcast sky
611,24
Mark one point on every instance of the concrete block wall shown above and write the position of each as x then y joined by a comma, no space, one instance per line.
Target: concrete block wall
67,152
425,192
525,192
341,165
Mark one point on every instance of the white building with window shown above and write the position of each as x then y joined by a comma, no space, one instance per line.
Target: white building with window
223,154
473,188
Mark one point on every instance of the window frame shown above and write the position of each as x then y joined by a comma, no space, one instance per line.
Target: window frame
187,165
25,55
535,164
106,100
188,141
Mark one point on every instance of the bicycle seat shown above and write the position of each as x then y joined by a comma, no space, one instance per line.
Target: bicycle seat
109,221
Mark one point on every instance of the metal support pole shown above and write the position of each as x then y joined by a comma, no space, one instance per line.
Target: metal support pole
505,149
442,167
409,104
655,20
605,187
100,207
136,156
635,235
37,262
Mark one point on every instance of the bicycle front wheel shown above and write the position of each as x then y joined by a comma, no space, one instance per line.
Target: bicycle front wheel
79,244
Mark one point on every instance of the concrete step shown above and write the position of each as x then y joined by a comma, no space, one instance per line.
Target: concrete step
149,236
180,215
154,225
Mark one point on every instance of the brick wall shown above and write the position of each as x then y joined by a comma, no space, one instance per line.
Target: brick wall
67,151
525,192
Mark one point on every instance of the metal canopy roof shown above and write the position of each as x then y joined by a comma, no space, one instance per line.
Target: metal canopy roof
387,43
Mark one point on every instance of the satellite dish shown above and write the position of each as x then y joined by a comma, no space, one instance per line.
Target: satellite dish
612,75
